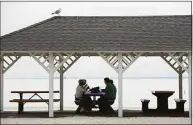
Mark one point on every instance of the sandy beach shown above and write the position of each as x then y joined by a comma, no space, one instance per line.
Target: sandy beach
97,120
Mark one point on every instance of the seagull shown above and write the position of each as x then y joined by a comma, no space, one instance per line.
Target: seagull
57,11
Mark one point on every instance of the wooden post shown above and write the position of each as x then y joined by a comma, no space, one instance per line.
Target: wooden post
120,74
51,85
2,83
190,83
180,80
61,86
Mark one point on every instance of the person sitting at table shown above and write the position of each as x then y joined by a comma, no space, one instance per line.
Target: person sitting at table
110,94
85,101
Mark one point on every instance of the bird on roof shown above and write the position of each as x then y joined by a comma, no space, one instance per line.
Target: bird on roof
57,11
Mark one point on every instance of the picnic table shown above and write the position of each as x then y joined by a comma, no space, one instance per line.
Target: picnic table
109,102
91,94
162,99
22,101
94,94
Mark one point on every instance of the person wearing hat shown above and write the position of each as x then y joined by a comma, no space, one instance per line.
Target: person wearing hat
86,101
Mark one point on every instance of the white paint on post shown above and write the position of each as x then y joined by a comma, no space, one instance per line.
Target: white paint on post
190,84
51,85
61,88
120,74
2,83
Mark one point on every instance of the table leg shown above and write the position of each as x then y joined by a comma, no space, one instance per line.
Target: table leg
20,104
162,103
94,98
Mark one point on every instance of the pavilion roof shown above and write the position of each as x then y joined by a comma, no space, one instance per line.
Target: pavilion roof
129,33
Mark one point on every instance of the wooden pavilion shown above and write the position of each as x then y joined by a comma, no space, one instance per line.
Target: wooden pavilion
58,42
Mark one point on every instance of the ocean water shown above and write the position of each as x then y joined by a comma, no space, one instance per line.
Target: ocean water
134,89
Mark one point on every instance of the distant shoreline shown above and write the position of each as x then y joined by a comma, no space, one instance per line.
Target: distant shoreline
97,78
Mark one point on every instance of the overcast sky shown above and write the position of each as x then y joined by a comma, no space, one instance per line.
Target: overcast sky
17,15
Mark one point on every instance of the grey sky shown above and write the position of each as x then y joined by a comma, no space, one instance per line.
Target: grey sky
17,15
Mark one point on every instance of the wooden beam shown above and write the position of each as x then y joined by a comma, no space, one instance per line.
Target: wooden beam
61,86
51,85
2,83
120,86
190,84
180,80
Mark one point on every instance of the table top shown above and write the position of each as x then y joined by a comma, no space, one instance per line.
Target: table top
33,91
95,94
163,92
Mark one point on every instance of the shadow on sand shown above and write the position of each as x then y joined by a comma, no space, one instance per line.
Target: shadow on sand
126,113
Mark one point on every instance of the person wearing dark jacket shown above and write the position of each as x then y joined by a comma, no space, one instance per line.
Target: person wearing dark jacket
110,94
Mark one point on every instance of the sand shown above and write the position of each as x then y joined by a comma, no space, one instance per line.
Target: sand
98,120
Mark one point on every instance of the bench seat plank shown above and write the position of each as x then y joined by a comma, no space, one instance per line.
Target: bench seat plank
145,100
33,91
180,100
33,100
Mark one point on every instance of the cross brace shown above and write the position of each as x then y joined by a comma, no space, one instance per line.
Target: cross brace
59,60
9,61
177,61
127,59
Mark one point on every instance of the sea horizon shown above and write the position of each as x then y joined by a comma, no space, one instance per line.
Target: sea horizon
132,77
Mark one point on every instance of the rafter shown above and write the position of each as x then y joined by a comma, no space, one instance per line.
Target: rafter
131,58
127,59
72,60
59,60
173,59
69,65
63,58
110,59
168,62
9,61
42,60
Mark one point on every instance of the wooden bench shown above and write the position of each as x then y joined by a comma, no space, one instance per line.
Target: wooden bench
145,103
33,100
109,108
77,102
180,105
22,101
